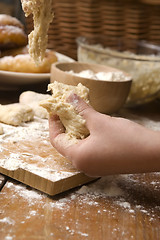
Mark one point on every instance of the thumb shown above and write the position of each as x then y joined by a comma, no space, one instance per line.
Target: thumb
84,109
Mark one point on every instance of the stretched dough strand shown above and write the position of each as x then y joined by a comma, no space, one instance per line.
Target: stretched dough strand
42,16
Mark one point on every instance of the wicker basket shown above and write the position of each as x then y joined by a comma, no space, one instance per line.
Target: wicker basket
6,8
132,19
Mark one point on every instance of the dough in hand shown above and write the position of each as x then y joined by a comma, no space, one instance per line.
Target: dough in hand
75,125
1,130
15,114
33,99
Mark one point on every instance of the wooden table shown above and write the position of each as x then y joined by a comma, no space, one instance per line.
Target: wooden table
122,207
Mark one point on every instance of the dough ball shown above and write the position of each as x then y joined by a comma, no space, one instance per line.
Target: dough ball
15,114
33,99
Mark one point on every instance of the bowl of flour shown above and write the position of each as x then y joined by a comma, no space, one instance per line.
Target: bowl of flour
138,58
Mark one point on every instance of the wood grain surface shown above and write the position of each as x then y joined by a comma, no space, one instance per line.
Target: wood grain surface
27,214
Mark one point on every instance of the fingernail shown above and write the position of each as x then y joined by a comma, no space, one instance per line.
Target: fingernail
73,99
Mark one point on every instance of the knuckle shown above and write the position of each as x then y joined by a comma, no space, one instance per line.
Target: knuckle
84,109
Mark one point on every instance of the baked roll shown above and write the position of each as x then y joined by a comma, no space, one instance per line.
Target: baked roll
12,32
24,63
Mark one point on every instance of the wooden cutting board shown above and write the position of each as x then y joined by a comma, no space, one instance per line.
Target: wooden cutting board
30,159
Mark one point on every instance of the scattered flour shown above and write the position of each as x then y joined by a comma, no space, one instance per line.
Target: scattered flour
8,237
124,204
32,196
33,213
7,220
106,186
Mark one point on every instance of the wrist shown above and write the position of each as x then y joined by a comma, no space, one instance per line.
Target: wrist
150,155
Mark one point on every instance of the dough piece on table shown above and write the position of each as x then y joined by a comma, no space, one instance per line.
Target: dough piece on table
15,114
75,125
42,16
1,130
33,99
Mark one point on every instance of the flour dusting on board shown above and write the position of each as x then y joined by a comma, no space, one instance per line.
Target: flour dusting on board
41,162
35,129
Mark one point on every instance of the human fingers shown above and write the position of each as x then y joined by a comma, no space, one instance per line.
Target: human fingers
65,145
84,109
55,127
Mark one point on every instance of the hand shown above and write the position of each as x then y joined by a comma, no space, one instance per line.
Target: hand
114,146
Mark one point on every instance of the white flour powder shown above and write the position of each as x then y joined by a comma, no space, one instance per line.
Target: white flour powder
30,195
106,186
35,129
7,220
105,76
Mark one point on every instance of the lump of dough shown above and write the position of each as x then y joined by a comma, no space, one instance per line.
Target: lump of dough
75,125
15,114
33,99
1,130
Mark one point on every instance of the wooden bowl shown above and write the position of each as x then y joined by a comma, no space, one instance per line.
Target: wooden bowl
104,96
